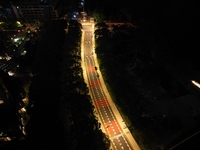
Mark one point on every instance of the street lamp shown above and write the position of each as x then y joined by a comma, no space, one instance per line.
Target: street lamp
82,3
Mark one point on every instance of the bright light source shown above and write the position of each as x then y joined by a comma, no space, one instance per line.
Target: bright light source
1,101
195,83
23,109
16,39
8,138
10,73
18,22
24,52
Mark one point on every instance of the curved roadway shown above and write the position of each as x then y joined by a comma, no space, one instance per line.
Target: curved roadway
111,121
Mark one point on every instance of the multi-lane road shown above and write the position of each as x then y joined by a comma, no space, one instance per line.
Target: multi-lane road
111,121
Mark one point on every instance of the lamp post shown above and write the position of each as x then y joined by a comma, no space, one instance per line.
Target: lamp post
82,3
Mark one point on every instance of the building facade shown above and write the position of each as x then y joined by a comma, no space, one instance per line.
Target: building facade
38,9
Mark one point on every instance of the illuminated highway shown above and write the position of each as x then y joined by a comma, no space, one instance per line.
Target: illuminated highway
111,121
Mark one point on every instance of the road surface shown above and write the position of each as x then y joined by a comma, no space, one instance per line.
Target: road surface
111,121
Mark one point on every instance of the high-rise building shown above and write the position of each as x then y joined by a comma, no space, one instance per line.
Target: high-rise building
38,9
